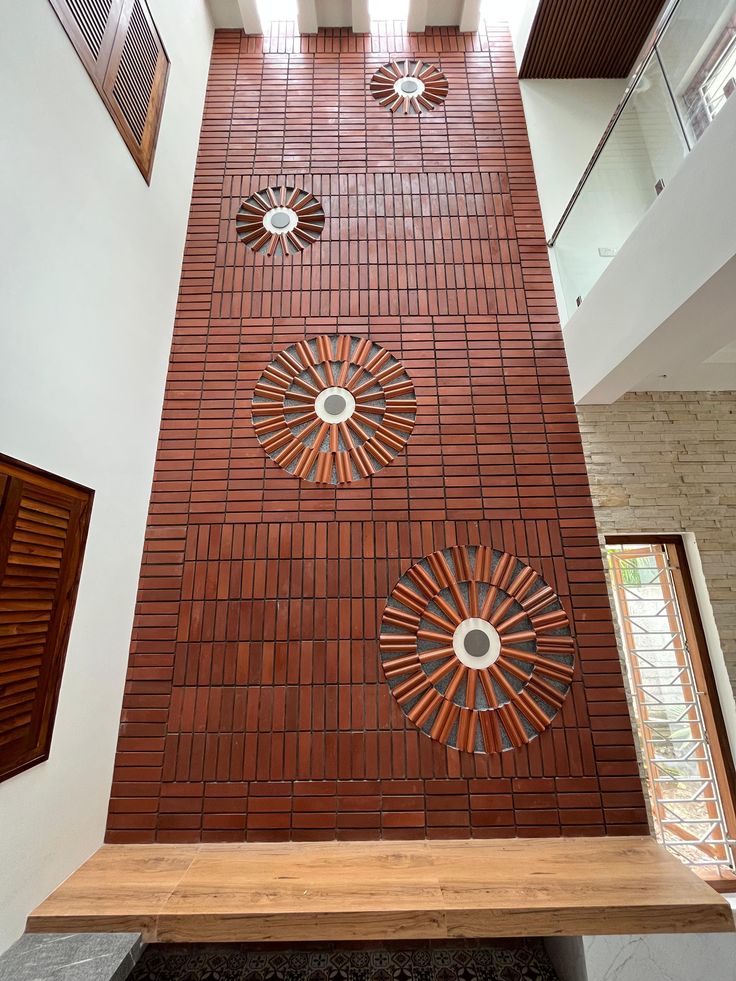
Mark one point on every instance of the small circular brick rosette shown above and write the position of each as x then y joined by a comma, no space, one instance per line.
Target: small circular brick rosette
280,220
409,86
476,649
334,409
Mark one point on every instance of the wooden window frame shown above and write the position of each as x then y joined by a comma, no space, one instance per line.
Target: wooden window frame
14,476
723,759
102,70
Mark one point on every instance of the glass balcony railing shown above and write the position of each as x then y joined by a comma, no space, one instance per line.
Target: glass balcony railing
684,77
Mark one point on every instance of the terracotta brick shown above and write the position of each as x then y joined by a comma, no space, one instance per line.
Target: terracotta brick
255,706
407,819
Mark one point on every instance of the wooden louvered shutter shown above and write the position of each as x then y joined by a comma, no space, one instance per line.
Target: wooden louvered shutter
135,81
122,50
91,26
43,527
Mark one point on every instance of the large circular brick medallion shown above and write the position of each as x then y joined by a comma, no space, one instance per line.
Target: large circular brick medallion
476,649
334,409
280,220
409,86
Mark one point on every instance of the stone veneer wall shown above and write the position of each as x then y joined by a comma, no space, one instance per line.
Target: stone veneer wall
664,463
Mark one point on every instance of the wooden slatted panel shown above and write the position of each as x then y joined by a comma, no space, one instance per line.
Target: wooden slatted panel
587,38
122,51
43,524
133,85
91,17
91,26
135,82
27,597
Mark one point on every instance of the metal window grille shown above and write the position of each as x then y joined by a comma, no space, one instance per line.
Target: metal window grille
691,802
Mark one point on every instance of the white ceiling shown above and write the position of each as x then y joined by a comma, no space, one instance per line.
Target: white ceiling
695,357
726,355
692,378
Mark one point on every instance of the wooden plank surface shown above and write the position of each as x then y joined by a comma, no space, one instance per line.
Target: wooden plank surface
587,38
384,890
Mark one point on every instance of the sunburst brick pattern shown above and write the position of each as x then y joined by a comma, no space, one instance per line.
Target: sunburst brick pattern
256,704
279,221
334,409
409,86
477,649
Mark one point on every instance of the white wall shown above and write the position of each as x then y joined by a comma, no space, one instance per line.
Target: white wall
656,957
566,119
520,14
90,261
440,13
334,13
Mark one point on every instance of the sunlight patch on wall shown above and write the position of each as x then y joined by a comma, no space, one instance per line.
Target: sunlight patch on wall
388,9
492,11
277,10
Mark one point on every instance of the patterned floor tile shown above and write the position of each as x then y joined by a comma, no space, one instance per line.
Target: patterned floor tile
523,961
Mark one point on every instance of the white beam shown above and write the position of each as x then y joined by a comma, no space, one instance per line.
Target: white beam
306,16
250,16
636,320
416,21
470,16
361,17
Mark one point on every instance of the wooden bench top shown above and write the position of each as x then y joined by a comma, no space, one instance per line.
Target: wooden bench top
384,890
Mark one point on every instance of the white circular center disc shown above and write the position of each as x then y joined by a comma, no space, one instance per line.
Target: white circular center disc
476,643
334,405
408,87
280,220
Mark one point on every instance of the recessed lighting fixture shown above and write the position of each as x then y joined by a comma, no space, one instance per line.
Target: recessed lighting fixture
477,649
409,86
280,220
333,409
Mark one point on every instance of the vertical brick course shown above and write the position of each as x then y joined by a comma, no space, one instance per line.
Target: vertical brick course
255,707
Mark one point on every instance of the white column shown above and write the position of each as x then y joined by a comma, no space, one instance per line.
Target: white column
416,21
250,16
361,17
306,16
470,16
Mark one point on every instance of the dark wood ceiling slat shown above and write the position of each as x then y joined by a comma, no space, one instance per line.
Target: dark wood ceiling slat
588,38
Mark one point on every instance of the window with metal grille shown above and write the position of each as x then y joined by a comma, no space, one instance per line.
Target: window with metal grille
43,527
677,713
119,45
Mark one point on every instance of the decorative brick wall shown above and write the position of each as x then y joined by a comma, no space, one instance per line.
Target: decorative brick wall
255,705
664,463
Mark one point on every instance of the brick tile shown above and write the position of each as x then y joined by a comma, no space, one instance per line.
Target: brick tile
255,708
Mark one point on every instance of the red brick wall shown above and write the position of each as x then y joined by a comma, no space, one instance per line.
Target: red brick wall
255,705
